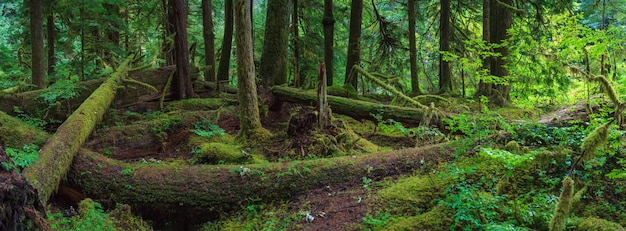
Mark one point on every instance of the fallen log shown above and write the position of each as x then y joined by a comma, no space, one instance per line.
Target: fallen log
196,191
55,157
357,109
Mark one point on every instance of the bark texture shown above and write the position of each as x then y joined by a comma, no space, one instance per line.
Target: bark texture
56,155
38,65
329,38
182,80
250,122
227,42
415,84
445,77
273,67
354,41
209,40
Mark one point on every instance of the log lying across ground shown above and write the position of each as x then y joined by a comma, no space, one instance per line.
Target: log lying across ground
354,108
55,157
197,190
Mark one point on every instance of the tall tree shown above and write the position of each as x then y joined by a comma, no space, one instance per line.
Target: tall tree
415,84
329,33
273,67
209,40
182,81
354,40
500,20
227,42
445,78
169,30
296,46
38,65
50,39
250,122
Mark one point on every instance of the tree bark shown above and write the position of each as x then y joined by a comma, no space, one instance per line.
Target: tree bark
196,190
209,40
182,80
357,109
250,122
445,78
297,80
227,42
50,30
169,30
415,84
354,41
56,155
273,67
329,33
38,65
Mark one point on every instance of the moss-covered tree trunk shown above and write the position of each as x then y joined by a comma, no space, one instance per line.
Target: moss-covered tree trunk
354,41
227,42
273,67
209,40
56,155
354,108
198,189
329,33
250,122
38,65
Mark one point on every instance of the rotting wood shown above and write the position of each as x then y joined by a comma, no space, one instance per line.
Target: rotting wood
55,157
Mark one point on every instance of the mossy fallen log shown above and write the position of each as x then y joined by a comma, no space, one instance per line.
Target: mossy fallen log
199,190
356,109
55,157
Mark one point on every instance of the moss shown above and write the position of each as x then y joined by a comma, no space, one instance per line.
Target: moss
517,113
439,217
15,133
414,194
125,220
598,224
195,104
596,138
512,146
561,211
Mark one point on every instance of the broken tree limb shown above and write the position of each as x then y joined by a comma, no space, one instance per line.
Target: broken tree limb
356,109
56,155
389,88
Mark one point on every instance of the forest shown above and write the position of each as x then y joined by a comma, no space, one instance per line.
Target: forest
312,115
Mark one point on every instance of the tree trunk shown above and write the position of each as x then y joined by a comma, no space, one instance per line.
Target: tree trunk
357,109
500,20
445,78
50,29
209,40
329,33
196,190
415,84
296,46
227,42
182,80
57,154
485,88
273,67
169,30
250,122
112,32
354,40
38,65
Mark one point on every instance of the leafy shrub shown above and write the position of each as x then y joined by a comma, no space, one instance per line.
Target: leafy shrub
21,157
207,129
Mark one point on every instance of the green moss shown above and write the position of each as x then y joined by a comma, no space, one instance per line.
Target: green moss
598,224
415,194
517,113
195,104
512,146
125,220
15,133
561,211
594,140
438,218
